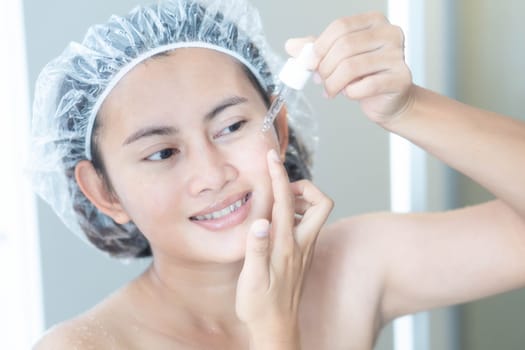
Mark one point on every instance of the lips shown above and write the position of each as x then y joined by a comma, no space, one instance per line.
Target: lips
224,215
227,209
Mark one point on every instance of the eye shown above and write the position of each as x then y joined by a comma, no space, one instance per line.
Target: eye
162,154
231,128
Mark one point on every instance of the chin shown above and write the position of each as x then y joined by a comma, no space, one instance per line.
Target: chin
227,248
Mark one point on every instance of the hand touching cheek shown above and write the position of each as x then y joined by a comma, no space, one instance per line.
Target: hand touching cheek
277,258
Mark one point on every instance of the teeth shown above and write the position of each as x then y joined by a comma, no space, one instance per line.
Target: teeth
220,213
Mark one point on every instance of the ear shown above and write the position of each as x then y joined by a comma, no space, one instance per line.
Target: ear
281,125
94,188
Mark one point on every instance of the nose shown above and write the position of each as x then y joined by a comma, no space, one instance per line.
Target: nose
209,169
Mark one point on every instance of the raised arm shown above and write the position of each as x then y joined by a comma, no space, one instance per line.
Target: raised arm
487,147
429,259
476,251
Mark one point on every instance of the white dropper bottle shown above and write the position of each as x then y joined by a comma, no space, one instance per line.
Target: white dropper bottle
293,77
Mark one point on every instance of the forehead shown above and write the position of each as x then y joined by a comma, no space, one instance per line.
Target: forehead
187,80
185,67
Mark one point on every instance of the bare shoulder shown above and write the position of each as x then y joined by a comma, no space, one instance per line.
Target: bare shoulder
343,288
349,250
347,257
55,338
353,245
80,333
67,335
95,329
354,235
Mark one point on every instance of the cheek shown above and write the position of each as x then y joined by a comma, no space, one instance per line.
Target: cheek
252,164
255,149
146,201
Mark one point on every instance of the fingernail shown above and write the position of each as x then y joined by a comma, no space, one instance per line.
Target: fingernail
260,234
260,228
274,156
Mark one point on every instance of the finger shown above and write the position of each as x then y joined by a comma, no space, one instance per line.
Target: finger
344,26
294,46
358,43
283,208
301,206
384,83
359,67
255,271
315,216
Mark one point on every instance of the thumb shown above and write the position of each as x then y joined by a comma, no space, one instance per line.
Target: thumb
294,46
256,269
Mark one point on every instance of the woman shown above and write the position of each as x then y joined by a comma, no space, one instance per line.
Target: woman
155,122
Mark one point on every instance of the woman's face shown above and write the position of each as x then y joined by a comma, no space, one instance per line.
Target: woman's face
182,145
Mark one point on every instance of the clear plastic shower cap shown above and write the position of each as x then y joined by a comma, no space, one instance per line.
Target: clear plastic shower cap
71,88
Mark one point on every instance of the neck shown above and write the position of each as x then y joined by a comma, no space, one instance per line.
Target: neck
190,295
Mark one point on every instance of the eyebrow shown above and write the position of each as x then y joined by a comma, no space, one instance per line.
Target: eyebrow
229,102
150,131
168,130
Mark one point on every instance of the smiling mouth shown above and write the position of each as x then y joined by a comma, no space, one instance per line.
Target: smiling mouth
223,212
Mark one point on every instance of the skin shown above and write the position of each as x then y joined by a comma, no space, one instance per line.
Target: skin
259,287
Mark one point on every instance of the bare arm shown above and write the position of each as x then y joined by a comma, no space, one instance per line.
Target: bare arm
438,259
486,146
430,259
473,252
